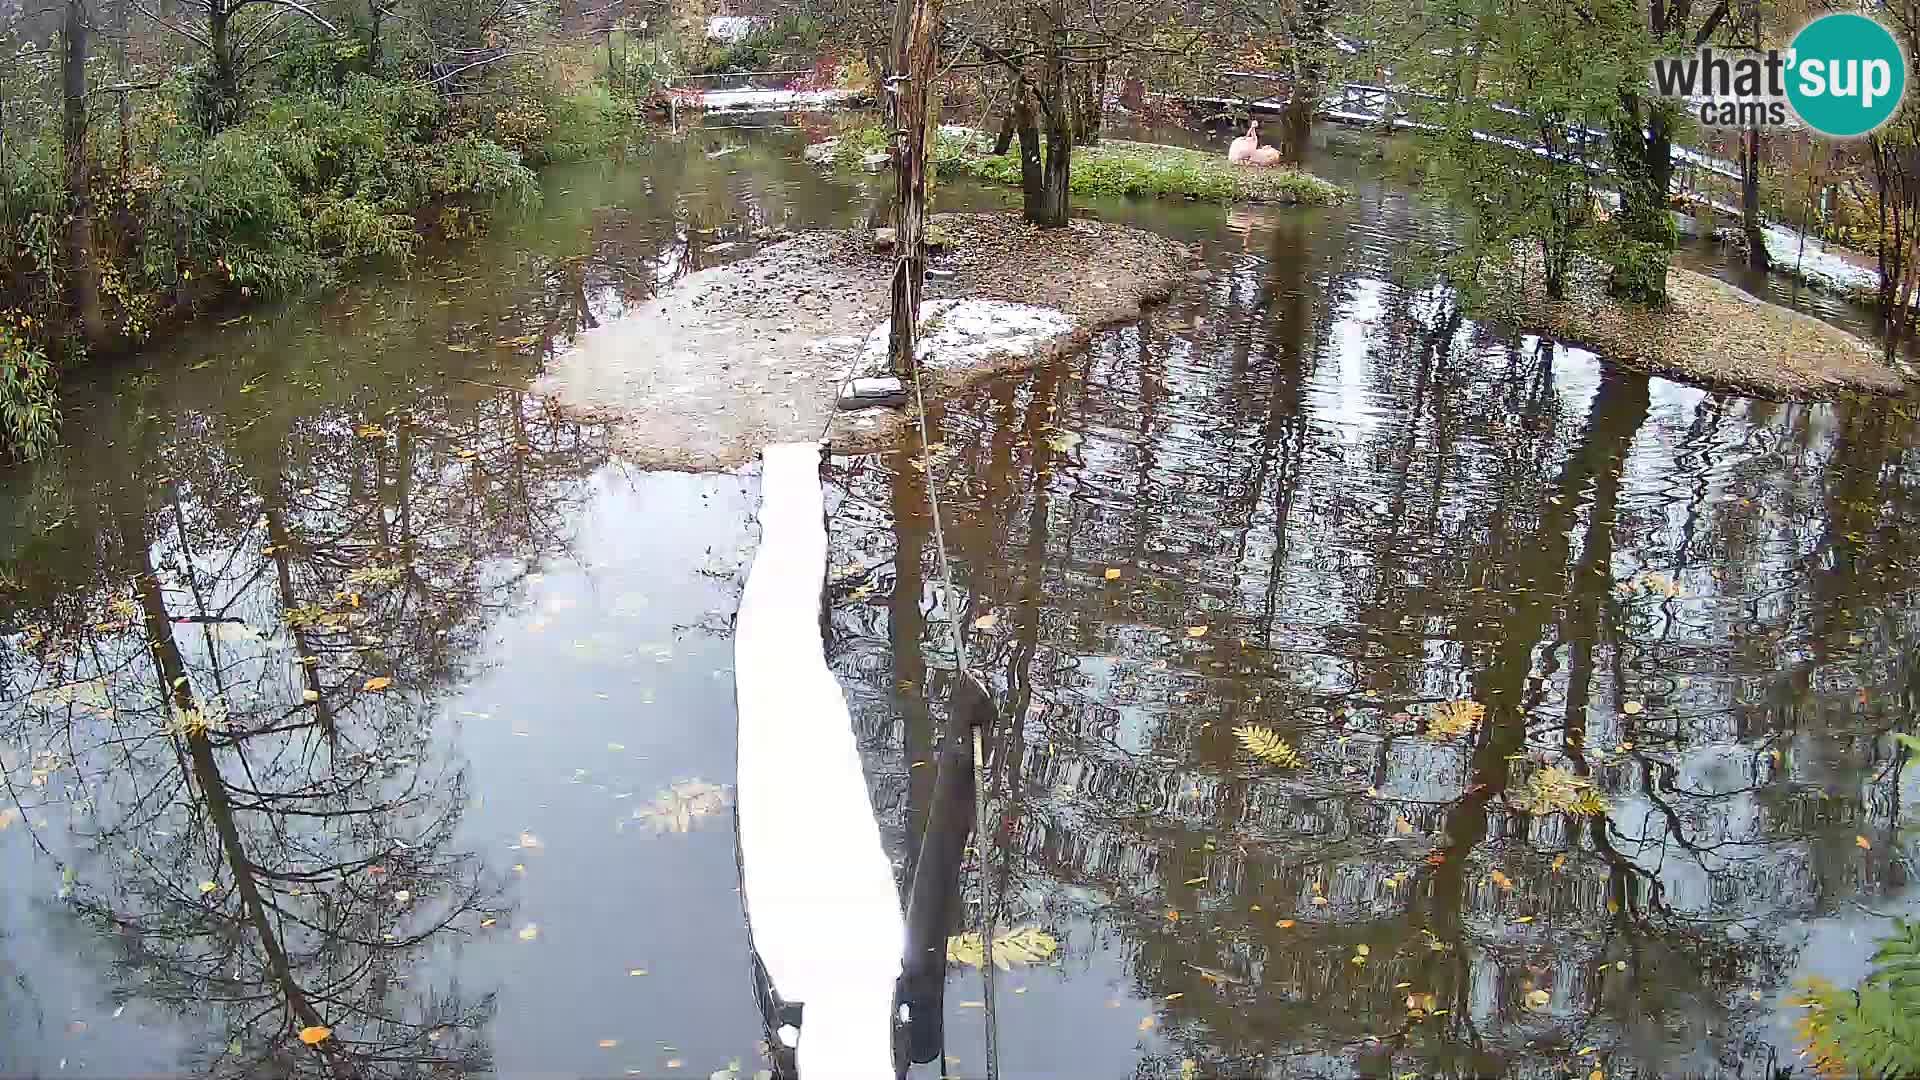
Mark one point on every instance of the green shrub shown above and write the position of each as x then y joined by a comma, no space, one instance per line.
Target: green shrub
29,419
1874,1030
764,45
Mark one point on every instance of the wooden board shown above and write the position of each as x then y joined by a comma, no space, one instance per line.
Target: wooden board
821,903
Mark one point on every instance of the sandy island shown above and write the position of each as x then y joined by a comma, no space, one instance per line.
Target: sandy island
1712,335
735,357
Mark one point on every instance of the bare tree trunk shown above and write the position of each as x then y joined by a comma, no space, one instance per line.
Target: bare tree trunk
83,281
917,63
1055,105
1026,124
1750,200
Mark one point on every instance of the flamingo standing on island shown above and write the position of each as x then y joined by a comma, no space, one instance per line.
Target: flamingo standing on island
1246,150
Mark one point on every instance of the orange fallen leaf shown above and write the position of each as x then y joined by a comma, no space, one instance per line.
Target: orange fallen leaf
315,1035
377,683
1146,1023
1285,924
1113,573
608,1044
1863,843
1196,631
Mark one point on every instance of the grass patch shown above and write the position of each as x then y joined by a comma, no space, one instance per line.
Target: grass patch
1115,168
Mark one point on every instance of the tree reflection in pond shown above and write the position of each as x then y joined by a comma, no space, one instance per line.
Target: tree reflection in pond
230,735
1691,601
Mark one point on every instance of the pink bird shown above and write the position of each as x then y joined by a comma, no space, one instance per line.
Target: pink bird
1246,150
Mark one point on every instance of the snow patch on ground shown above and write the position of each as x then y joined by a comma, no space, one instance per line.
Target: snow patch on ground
729,28
774,100
1816,265
958,333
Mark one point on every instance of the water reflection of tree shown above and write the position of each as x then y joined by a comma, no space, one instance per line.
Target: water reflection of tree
1491,524
230,722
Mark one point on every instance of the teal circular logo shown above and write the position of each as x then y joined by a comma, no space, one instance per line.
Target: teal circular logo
1846,75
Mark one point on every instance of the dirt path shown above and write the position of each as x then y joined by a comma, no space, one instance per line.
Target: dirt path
733,358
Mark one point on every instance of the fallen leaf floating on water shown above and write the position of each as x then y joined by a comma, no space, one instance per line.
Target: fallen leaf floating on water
1196,631
529,931
1502,880
985,622
1632,708
377,683
678,807
1538,999
1146,1023
1113,573
1863,843
207,887
401,896
1555,790
1268,747
315,1035
1011,948
1452,719
530,842
608,1044
1062,442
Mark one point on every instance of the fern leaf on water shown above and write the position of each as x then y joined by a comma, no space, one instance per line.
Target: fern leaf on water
1897,961
1268,747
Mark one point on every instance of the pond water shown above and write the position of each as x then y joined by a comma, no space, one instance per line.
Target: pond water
349,685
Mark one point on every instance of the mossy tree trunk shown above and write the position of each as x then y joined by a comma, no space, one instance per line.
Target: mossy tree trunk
83,280
1643,162
1309,79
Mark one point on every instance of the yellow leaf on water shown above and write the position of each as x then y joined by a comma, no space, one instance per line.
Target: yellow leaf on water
1189,1069
529,931
8,817
1452,719
1196,631
608,1044
377,683
1502,880
207,887
1538,999
309,696
1559,863
636,972
985,622
315,1035
1268,747
1146,1023
1020,947
484,923
1863,843
1285,924
1632,708
1113,573
1402,826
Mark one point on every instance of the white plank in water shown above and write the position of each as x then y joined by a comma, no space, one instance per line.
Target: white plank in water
820,897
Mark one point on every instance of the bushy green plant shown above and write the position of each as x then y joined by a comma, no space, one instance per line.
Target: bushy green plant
29,419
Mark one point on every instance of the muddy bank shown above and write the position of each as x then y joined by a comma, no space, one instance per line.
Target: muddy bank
732,358
1712,335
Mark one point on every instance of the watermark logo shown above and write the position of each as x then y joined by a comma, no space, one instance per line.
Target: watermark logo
1843,75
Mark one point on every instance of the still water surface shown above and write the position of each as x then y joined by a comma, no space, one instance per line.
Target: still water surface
347,684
